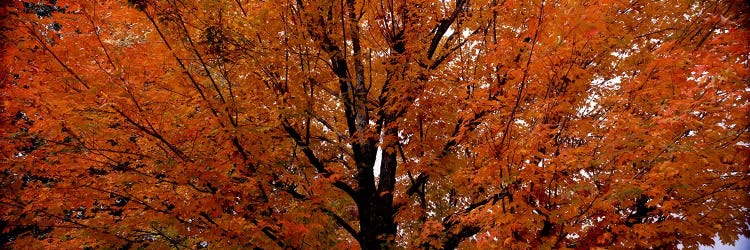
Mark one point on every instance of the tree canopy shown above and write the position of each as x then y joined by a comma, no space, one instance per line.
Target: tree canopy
374,124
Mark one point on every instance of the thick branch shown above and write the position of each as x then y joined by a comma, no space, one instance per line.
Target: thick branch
449,223
317,163
341,222
443,27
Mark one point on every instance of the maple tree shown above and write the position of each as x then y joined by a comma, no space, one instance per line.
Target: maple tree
374,124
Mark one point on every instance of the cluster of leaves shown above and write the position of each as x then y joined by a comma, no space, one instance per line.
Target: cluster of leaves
372,124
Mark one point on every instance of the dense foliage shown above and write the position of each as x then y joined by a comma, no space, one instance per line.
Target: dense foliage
374,124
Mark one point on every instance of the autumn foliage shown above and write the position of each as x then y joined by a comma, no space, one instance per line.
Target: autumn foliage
374,124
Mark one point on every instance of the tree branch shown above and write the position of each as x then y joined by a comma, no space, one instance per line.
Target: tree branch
341,222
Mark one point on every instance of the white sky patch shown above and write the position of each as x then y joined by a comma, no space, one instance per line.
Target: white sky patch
378,159
585,174
592,100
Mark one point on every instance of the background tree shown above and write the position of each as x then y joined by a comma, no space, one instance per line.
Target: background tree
378,124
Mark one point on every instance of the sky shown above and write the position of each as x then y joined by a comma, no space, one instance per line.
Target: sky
741,244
